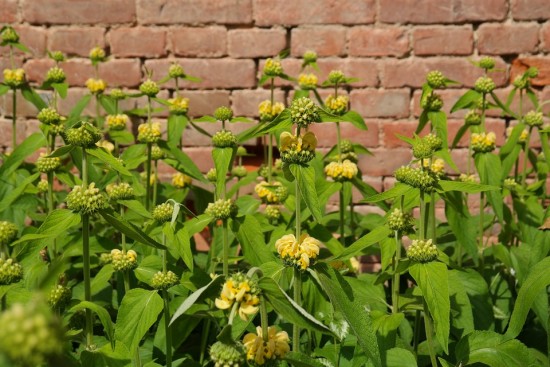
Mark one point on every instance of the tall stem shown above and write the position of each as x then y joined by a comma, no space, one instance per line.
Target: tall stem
14,120
225,248
422,216
481,221
298,300
396,276
155,183
86,256
148,184
429,333
431,219
168,331
263,319
341,209
269,157
526,156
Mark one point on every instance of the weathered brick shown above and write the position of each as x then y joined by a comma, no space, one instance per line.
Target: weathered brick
325,40
137,42
255,42
381,103
194,11
245,102
413,11
545,37
502,39
541,63
204,102
8,11
449,97
447,40
369,41
75,40
545,96
530,9
215,73
32,37
199,41
24,107
269,12
78,12
475,10
6,137
326,134
384,162
502,94
365,70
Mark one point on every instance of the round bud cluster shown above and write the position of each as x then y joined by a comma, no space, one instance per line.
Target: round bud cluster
510,184
42,186
521,83
399,221
484,85
149,88
341,171
299,253
435,79
533,118
472,118
435,141
59,297
84,136
224,139
303,112
149,132
346,146
482,105
14,78
532,72
422,251
522,137
164,280
239,171
97,54
310,57
467,178
307,81
211,175
268,112
30,335
350,156
432,102
336,77
176,71
120,191
273,68
163,212
10,271
227,355
8,232
123,260
273,192
223,113
181,180
55,75
105,258
45,164
86,200
337,105
9,35
117,122
49,116
178,105
241,151
157,153
57,129
416,177
297,149
437,167
117,94
422,149
272,212
483,143
96,86
487,63
57,56
222,209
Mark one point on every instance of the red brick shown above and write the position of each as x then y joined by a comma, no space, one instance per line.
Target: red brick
384,162
204,102
325,40
194,11
78,11
390,129
199,42
24,108
245,102
475,10
502,39
137,42
449,97
6,127
364,69
545,96
76,40
523,63
530,9
412,72
545,37
368,41
32,37
443,40
255,42
413,11
502,94
381,103
269,12
121,72
8,11
215,73
326,133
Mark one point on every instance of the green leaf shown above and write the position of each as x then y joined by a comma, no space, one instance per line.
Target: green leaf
4,89
306,183
502,106
288,308
61,151
137,207
206,119
23,150
492,349
490,172
432,279
182,244
30,95
198,223
373,237
103,315
105,356
249,233
398,190
21,47
61,88
176,127
138,311
466,100
18,191
122,137
147,268
399,357
109,160
213,287
459,134
75,113
223,160
186,164
342,297
467,187
128,228
302,360
101,279
462,318
282,121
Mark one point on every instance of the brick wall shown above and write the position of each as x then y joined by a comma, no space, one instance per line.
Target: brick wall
389,44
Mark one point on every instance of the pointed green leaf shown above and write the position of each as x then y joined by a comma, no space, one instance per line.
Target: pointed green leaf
103,315
223,160
17,191
61,88
214,287
398,190
356,248
109,160
306,183
186,164
23,150
248,231
468,187
128,228
466,101
137,207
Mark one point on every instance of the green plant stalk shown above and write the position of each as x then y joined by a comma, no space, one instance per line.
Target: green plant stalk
51,206
155,184
97,112
14,120
526,156
341,210
204,340
396,275
269,135
416,337
422,216
481,221
148,168
431,218
263,319
225,248
166,299
352,220
298,300
86,256
429,334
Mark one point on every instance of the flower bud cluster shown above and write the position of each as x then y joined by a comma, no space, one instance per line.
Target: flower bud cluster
432,102
96,86
487,63
59,297
163,212
297,149
310,57
149,88
84,136
307,81
260,352
422,251
55,75
45,164
435,79
484,85
120,191
298,253
178,105
337,105
176,71
149,132
10,271
223,113
117,122
164,280
14,78
181,180
483,142
211,175
123,260
42,186
336,77
268,111
9,35
97,54
271,193
239,171
273,68
341,171
533,118
472,118
157,153
273,212
437,166
510,184
416,177
467,178
49,116
8,232
224,139
222,209
86,200
399,221
242,290
117,94
304,112
227,355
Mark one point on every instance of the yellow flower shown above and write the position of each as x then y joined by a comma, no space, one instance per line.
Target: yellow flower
273,68
307,81
96,86
258,350
337,105
178,105
181,180
297,149
298,253
149,132
437,166
107,145
117,122
341,171
268,111
483,142
14,77
241,290
268,191
97,54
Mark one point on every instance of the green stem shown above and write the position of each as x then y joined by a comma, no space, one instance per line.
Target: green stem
339,142
155,183
263,319
422,216
14,120
416,337
352,220
204,340
126,277
396,276
269,157
148,183
429,334
526,156
225,248
122,236
87,281
432,218
51,206
481,222
97,112
166,299
341,209
298,300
